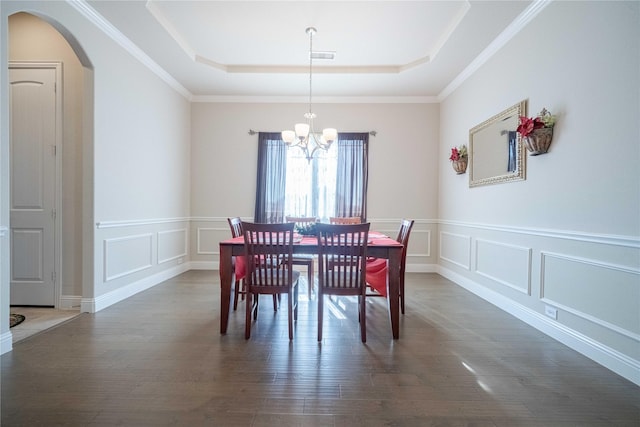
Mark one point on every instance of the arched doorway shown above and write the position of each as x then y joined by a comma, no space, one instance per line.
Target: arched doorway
40,40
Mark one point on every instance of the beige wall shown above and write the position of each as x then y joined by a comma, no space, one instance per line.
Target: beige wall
403,157
403,166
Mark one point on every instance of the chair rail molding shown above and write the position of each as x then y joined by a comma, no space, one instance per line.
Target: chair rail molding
609,239
139,222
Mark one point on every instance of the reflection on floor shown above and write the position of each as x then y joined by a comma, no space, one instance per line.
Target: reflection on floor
38,319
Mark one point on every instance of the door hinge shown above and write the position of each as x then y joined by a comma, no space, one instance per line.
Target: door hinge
53,214
53,276
54,150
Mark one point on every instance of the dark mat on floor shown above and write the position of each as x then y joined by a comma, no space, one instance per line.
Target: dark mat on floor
15,319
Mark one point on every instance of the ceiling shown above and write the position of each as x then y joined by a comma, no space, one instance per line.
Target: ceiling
394,50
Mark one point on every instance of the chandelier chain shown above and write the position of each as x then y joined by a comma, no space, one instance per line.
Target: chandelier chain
310,67
304,135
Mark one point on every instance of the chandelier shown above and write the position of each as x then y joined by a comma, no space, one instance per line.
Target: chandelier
304,135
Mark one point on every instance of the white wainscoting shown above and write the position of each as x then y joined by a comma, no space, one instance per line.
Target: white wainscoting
208,240
509,265
172,244
592,280
137,255
420,258
209,233
603,293
127,255
456,249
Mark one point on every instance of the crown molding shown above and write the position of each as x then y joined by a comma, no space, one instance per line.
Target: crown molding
112,32
503,38
317,100
174,33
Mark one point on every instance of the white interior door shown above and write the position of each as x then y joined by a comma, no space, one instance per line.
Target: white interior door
33,184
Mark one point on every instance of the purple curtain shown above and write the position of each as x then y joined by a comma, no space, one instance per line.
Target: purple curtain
352,175
271,178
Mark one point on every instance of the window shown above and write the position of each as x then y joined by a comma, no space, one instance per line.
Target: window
334,183
310,188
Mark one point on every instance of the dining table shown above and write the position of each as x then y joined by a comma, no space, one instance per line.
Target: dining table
378,245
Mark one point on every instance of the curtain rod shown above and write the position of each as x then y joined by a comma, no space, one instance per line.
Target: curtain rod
371,132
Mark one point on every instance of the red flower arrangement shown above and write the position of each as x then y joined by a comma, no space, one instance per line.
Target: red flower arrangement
458,153
528,125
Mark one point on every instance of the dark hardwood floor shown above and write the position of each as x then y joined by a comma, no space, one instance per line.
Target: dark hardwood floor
158,359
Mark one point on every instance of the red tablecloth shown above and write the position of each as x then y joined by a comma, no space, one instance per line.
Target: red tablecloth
377,272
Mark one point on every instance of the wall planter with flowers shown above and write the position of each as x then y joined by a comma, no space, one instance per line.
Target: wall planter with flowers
459,159
537,132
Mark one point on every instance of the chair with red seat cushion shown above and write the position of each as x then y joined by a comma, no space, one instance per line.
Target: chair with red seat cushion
377,268
270,246
377,276
239,266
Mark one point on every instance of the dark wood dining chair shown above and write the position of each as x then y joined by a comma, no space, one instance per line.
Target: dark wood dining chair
377,268
342,256
304,259
239,263
345,220
240,267
270,246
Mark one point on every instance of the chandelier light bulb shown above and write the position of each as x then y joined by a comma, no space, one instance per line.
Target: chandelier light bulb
330,134
288,136
302,131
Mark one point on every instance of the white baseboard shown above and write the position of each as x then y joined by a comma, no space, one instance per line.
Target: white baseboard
421,268
205,265
6,342
617,362
93,305
70,302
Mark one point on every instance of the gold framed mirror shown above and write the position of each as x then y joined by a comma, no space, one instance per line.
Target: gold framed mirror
496,152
